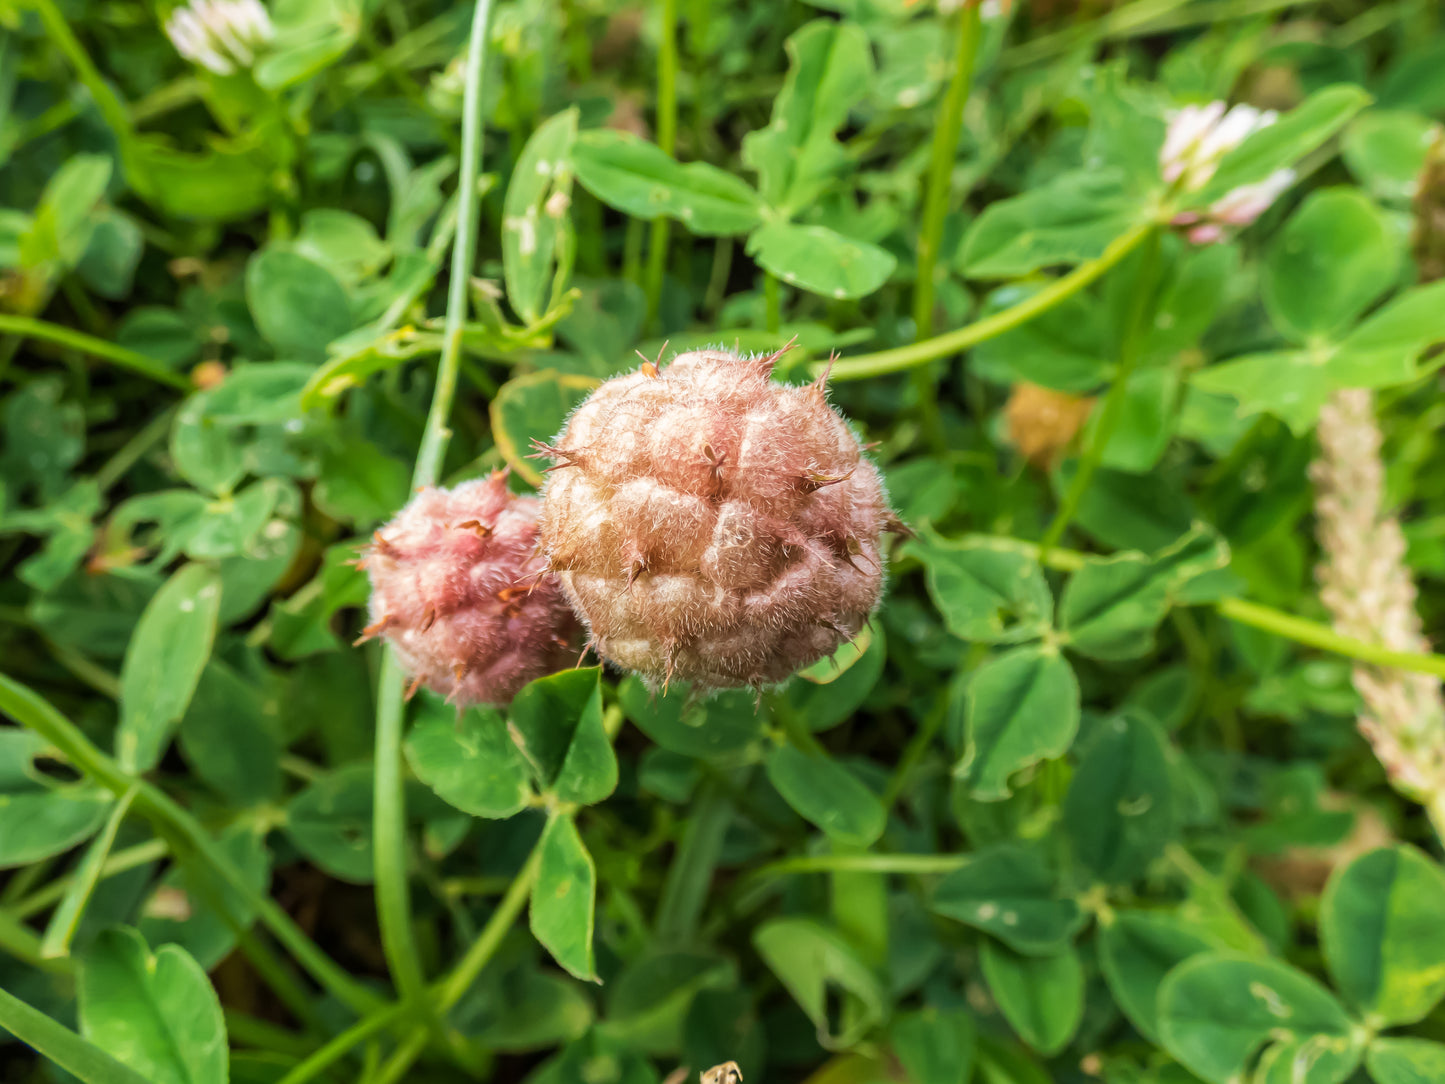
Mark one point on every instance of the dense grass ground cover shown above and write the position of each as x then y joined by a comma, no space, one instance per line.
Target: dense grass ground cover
1137,773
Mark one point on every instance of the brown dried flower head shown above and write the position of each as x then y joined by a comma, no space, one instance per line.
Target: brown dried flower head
461,593
711,525
1041,422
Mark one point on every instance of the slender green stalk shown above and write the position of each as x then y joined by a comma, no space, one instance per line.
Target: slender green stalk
150,851
29,328
106,100
130,453
689,878
344,1043
444,994
772,302
1118,22
861,863
903,358
1286,626
393,897
1314,634
247,1030
37,714
935,209
1129,350
667,141
63,923
64,1047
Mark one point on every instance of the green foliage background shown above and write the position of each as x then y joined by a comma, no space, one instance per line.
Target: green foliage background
1086,801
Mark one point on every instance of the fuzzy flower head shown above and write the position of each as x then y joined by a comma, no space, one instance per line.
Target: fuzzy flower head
711,525
460,592
222,36
1198,138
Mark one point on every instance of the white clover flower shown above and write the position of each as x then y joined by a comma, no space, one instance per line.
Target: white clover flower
1198,138
222,36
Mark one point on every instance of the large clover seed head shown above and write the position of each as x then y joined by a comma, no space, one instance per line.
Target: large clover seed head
711,525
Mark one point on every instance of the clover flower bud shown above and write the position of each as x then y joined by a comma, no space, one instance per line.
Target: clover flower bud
223,36
461,593
1197,140
711,525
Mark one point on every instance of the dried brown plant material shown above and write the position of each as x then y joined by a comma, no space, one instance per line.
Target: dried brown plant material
1428,237
726,1073
460,592
1370,593
1041,422
713,526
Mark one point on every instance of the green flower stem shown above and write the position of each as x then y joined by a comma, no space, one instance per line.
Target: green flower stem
444,994
343,1044
67,916
28,328
106,100
189,839
667,140
1118,22
1314,634
61,1045
1286,626
1129,350
861,863
42,898
902,358
772,302
393,897
935,209
689,878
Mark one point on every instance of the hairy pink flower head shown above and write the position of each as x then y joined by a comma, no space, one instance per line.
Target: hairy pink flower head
711,525
460,591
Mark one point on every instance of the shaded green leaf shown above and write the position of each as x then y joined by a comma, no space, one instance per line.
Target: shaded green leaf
470,761
1382,935
1042,997
640,179
820,260
163,664
563,898
827,794
1009,891
156,1012
1022,707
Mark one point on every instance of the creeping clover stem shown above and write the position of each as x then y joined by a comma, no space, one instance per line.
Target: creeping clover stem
393,900
935,207
1129,350
902,358
667,140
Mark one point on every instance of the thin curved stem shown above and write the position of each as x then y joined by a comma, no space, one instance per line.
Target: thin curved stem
902,358
106,100
935,207
393,896
667,141
1287,626
444,994
1129,350
29,328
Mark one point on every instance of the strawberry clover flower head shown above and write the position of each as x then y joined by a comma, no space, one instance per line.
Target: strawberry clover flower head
222,36
1198,138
